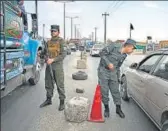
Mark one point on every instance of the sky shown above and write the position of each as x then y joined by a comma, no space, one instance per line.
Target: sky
149,18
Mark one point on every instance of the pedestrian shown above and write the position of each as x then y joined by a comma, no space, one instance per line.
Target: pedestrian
112,57
57,53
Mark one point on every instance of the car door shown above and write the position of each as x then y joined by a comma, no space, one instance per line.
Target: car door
137,78
157,90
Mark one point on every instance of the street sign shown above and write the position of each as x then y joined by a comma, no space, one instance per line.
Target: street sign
81,48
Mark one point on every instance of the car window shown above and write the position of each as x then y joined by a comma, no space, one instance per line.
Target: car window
98,46
147,65
162,68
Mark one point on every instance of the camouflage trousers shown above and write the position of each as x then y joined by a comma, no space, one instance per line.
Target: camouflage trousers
113,86
58,79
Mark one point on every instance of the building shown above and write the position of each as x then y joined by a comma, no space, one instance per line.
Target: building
163,43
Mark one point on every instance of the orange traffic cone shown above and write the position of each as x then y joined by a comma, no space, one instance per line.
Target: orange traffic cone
96,112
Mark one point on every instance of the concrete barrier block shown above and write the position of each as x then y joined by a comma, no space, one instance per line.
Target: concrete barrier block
81,64
84,57
76,109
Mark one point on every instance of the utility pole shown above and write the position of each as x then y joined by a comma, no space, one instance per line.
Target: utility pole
95,34
43,30
71,27
36,9
77,33
92,36
105,25
72,24
64,15
64,21
76,30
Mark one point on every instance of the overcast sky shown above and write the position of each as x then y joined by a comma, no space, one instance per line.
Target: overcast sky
149,18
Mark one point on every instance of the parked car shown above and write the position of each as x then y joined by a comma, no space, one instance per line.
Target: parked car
94,51
147,83
87,49
68,50
72,47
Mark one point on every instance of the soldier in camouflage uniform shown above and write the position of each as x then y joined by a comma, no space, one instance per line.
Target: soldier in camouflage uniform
57,53
112,57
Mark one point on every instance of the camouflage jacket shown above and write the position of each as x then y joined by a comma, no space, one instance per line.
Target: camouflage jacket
57,49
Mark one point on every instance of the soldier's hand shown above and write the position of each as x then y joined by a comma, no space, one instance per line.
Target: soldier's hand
111,66
49,61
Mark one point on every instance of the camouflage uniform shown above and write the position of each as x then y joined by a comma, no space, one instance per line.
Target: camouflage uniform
57,51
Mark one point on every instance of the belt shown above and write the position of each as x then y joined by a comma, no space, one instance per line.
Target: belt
106,67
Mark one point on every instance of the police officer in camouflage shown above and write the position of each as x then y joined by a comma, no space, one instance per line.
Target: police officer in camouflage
112,57
57,53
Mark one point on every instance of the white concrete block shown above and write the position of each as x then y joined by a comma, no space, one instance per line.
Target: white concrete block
76,109
81,64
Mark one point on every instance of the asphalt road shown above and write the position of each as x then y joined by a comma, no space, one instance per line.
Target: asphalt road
20,110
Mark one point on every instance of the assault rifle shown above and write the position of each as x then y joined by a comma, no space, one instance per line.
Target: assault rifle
46,58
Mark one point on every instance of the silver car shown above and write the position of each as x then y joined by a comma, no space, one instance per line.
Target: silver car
147,83
96,49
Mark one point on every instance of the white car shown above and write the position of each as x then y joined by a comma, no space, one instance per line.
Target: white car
72,47
146,81
96,49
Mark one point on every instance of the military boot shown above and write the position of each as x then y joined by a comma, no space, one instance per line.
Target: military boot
46,103
61,106
106,111
119,111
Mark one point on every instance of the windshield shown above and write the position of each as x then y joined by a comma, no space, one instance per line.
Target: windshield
71,44
98,46
13,25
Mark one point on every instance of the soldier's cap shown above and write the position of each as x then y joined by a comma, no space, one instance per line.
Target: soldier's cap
131,42
55,28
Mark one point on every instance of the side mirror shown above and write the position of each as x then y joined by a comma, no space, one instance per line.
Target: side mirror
133,65
31,34
81,48
34,22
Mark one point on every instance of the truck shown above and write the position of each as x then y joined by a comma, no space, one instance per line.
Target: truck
19,49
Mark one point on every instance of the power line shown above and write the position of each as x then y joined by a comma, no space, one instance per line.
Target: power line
112,4
119,5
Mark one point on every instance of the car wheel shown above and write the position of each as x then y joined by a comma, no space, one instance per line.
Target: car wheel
165,126
36,77
34,80
124,93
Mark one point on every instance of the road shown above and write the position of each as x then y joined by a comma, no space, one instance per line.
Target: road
20,110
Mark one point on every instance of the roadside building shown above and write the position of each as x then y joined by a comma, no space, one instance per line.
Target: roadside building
163,43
